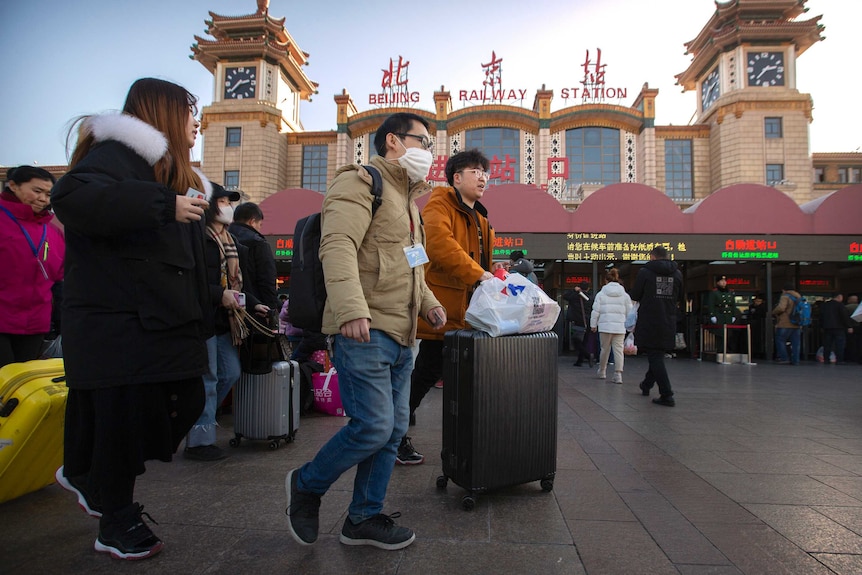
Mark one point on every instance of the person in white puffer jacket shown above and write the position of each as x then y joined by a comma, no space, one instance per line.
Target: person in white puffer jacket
610,308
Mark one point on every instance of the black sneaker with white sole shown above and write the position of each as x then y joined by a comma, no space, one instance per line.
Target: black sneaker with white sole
378,531
125,535
88,500
303,509
407,454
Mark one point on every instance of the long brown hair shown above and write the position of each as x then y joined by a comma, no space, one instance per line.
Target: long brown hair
164,106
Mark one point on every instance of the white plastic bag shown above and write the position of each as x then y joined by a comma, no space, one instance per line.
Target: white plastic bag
632,317
629,347
513,305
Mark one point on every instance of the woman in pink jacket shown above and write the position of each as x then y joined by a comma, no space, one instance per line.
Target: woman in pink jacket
32,249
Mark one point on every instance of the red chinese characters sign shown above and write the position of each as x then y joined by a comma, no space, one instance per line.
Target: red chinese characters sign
492,86
394,85
502,171
593,86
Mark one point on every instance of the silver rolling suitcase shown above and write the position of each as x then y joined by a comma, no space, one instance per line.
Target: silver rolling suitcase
266,406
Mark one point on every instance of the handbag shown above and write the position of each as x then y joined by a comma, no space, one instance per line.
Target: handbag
578,333
327,397
263,346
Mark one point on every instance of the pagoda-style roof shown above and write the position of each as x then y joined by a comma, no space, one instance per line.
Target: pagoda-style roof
252,36
748,22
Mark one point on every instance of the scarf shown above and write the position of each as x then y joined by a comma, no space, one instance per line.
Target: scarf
230,277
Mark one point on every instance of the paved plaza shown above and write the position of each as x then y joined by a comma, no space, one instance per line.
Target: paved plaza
757,470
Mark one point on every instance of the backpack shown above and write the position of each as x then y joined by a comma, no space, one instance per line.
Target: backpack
307,285
801,313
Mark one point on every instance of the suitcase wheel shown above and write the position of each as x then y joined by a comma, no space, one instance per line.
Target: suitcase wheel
547,484
273,444
468,502
442,482
235,441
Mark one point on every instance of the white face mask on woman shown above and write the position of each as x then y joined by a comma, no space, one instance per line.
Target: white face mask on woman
225,215
417,162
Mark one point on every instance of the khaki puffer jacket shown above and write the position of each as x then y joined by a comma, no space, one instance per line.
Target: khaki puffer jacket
364,263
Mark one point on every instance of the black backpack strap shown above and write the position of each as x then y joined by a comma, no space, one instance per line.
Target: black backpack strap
376,188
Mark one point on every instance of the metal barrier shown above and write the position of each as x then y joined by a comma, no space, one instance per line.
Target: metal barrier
708,344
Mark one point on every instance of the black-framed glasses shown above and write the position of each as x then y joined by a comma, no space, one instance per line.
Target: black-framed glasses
478,173
424,141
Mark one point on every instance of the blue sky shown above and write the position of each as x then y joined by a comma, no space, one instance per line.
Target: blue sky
61,59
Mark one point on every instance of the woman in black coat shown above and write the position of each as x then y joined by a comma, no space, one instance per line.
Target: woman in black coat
134,309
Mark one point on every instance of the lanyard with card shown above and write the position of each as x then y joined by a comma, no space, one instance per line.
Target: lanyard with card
43,242
416,255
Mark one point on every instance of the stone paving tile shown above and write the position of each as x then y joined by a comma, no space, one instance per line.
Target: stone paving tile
759,549
601,503
677,537
849,517
615,547
697,500
781,463
809,529
851,463
778,489
841,564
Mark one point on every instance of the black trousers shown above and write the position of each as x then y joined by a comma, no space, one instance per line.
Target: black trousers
657,374
19,347
110,433
427,370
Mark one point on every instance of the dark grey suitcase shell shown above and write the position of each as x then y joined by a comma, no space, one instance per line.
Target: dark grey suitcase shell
267,406
499,411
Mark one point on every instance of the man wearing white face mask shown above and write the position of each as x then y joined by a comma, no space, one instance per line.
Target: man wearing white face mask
373,264
225,261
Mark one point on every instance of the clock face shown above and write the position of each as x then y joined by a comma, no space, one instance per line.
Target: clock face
240,83
710,90
765,68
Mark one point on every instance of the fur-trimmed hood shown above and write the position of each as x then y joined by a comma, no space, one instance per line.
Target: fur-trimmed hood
145,140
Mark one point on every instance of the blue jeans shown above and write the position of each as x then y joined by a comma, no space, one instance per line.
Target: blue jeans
374,381
782,336
224,372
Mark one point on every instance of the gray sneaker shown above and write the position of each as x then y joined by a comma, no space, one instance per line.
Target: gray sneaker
377,531
302,511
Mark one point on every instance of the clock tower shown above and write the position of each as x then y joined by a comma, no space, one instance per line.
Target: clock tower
258,86
743,70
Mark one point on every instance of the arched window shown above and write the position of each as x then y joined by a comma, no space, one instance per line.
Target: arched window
594,156
503,148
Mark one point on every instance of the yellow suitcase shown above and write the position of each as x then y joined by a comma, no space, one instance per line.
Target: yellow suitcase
32,414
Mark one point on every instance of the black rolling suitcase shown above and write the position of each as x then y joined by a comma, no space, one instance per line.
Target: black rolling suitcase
499,411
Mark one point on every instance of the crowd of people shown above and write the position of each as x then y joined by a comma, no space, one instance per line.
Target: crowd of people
160,268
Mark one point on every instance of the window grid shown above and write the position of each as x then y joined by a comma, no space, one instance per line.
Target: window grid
773,128
774,174
231,179
314,160
233,137
503,147
678,169
594,156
